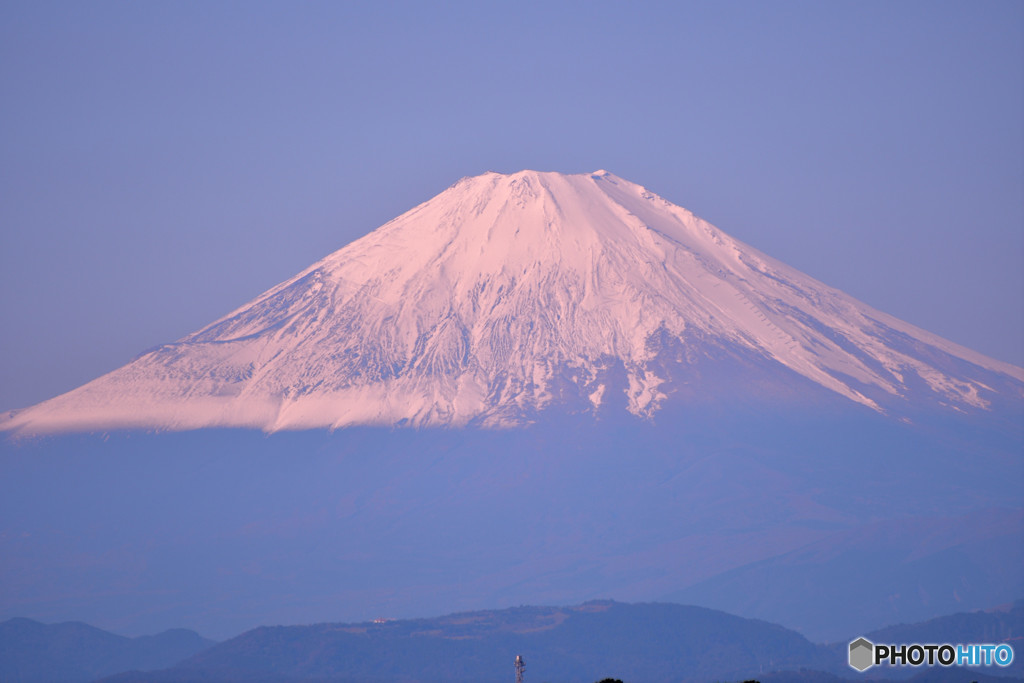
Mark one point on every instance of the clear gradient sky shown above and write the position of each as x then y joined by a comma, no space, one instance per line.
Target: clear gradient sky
165,162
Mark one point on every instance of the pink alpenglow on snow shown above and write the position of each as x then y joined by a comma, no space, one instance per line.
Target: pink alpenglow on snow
508,295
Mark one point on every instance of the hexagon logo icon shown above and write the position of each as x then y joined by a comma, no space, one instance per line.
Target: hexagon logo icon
862,654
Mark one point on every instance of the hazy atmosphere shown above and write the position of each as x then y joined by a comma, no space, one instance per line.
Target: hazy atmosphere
165,163
646,342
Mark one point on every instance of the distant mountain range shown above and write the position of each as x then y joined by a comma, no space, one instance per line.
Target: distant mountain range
581,644
72,652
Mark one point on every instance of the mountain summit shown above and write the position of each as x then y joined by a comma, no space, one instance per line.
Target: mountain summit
508,295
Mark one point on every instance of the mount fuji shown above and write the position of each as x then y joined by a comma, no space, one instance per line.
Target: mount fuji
507,295
534,388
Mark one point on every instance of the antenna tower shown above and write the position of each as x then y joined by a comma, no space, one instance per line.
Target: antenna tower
520,668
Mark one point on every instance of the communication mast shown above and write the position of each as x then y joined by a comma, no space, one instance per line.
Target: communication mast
520,668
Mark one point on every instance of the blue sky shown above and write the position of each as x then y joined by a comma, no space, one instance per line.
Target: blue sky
163,163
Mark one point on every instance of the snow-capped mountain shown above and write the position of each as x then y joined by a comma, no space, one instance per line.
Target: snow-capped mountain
694,420
507,295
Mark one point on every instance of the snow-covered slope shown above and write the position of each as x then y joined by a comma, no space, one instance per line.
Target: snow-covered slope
506,295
